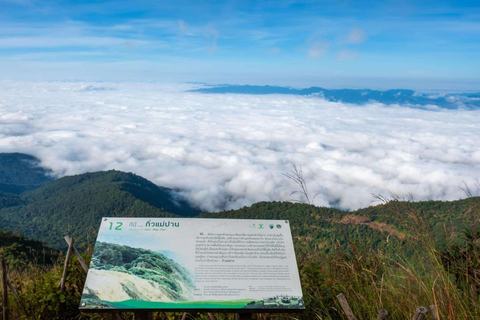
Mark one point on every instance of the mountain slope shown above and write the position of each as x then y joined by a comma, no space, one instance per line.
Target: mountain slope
385,226
21,172
9,200
74,205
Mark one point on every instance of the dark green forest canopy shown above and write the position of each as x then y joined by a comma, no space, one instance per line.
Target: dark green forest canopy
385,226
20,172
9,200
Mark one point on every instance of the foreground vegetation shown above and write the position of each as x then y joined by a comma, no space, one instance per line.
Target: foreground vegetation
393,270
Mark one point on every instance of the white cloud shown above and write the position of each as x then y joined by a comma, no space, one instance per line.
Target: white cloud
356,35
346,55
318,49
56,42
212,35
183,27
275,50
227,151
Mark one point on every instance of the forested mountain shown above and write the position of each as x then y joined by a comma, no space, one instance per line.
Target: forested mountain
386,226
21,172
9,200
74,205
358,96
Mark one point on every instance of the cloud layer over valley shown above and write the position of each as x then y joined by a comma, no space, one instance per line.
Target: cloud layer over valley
230,150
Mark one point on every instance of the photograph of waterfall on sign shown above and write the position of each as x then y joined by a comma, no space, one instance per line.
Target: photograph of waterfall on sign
123,273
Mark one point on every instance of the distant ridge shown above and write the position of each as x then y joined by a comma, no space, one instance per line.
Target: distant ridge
360,96
21,172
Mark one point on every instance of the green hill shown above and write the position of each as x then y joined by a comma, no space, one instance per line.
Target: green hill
21,172
74,205
386,226
9,200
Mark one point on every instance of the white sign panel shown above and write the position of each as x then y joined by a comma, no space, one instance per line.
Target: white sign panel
179,263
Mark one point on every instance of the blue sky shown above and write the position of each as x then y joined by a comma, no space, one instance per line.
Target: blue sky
411,44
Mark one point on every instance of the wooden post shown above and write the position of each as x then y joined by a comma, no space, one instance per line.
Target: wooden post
4,289
143,315
77,254
433,312
65,267
10,285
346,308
420,313
382,314
243,316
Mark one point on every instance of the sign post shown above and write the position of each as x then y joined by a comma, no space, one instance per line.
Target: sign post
193,265
4,290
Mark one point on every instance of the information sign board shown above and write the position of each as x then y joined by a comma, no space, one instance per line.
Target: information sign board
185,264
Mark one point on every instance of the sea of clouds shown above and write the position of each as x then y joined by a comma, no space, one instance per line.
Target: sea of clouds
231,150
